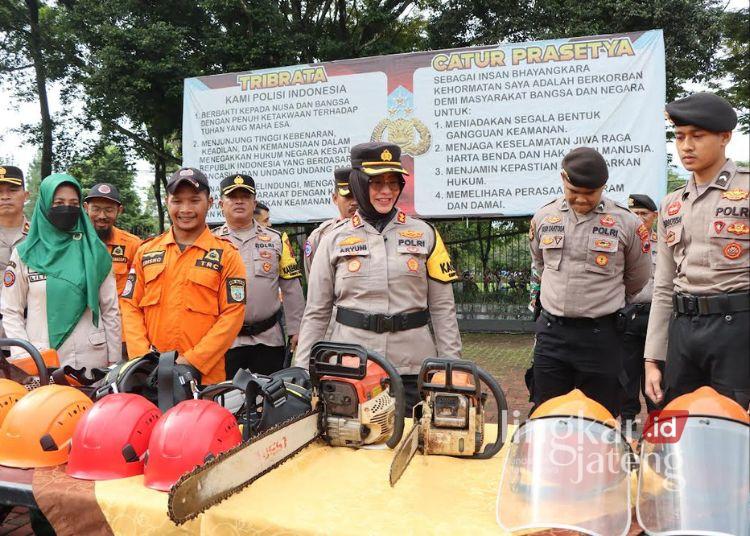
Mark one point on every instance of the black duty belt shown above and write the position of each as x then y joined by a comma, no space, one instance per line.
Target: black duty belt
380,323
251,330
687,304
577,322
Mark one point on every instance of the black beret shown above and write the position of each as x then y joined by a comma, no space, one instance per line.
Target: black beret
376,158
703,110
12,175
192,176
641,201
584,167
237,181
260,205
341,181
106,191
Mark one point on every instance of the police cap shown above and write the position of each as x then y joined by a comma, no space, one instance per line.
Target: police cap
105,191
703,110
192,176
341,181
237,181
584,167
11,175
376,158
641,201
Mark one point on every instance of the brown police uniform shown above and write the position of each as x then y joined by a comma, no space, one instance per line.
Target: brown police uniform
10,237
391,283
589,264
312,242
699,312
270,266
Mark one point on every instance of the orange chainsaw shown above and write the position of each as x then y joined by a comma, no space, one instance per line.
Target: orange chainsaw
357,400
449,420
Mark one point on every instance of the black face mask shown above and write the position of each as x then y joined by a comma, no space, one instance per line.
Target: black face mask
64,217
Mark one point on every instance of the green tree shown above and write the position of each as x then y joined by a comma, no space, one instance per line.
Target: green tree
735,63
692,28
33,180
108,163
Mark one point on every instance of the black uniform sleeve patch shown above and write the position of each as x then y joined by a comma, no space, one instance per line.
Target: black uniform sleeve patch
127,292
235,290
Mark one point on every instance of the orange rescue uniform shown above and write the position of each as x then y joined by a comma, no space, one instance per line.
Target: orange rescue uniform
191,301
122,246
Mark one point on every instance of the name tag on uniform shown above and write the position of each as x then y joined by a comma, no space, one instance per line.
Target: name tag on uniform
352,245
153,257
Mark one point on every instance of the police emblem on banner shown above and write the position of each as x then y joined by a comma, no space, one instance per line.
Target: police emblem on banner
401,127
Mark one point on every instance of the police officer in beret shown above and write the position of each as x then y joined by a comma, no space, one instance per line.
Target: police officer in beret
346,205
384,276
590,254
13,224
701,306
261,344
637,312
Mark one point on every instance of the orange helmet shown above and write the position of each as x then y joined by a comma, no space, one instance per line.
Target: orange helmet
574,404
27,364
37,431
10,392
706,401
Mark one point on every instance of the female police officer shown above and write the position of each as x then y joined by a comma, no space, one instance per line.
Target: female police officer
387,274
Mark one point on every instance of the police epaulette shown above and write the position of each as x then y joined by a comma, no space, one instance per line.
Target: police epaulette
270,229
340,223
549,203
622,206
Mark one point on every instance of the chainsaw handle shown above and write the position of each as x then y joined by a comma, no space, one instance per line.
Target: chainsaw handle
397,392
502,412
41,366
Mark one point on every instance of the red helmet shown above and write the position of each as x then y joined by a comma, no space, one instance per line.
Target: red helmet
188,435
112,437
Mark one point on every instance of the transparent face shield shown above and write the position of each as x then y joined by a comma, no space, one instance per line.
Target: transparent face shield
569,473
699,484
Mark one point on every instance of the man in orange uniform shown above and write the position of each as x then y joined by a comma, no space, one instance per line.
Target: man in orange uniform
186,290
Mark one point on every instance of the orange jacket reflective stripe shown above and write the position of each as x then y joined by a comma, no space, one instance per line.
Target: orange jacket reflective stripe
191,301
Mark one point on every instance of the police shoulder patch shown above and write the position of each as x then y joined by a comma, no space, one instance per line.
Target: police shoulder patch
439,265
235,290
9,278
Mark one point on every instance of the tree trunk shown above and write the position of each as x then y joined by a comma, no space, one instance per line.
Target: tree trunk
35,46
160,172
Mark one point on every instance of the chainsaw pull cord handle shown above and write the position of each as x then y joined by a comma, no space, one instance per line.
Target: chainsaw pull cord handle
502,411
41,366
397,391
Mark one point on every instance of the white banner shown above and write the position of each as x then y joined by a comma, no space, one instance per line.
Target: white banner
483,130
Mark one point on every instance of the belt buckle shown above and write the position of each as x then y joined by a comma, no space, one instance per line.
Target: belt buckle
386,323
691,305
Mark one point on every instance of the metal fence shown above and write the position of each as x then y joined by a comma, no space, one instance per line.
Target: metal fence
492,261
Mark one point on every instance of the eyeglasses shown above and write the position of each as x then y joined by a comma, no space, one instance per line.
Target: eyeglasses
108,211
393,185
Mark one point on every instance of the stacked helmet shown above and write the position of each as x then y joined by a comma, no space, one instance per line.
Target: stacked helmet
38,430
111,439
188,435
10,393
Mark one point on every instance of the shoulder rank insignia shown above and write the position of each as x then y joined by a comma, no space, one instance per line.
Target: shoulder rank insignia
401,217
356,220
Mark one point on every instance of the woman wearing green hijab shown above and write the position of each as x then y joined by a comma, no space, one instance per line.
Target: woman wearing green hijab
62,275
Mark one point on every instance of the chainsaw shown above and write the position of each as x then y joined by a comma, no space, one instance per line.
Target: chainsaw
449,421
357,400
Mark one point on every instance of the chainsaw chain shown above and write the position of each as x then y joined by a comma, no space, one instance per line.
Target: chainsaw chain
228,453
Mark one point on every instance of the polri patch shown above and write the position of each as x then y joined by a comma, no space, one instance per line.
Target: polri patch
733,250
235,290
9,278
